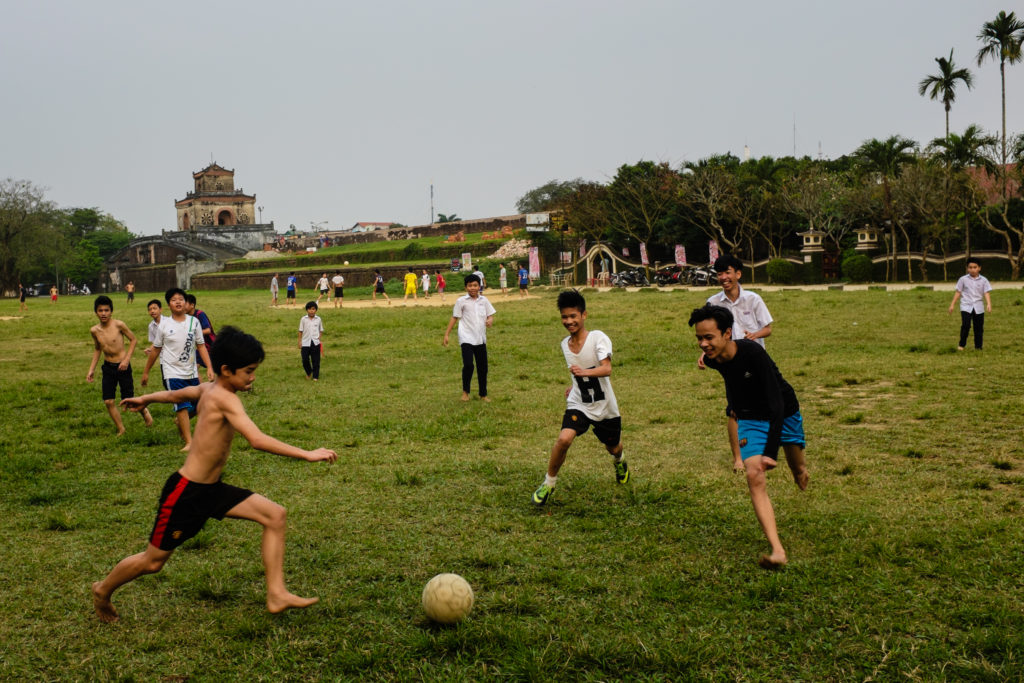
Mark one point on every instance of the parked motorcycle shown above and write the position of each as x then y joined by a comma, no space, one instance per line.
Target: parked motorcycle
634,277
668,276
702,276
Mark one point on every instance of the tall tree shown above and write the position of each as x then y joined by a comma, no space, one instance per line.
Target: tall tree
551,195
639,197
943,84
958,153
27,230
1001,38
711,195
883,159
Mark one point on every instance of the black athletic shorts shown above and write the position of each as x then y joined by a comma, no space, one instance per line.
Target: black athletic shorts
291,294
185,506
608,432
339,292
114,378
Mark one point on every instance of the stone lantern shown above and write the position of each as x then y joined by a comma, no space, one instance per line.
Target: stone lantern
867,239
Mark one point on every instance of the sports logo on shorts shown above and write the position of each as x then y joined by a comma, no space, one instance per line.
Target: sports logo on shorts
574,418
176,534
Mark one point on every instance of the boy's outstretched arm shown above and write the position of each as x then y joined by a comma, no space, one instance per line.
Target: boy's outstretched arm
137,403
235,414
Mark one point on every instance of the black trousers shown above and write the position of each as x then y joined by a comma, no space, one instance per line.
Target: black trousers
311,360
965,327
471,352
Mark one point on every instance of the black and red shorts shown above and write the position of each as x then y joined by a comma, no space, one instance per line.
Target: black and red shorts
185,506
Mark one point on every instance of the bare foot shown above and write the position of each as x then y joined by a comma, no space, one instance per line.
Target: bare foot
485,399
121,431
802,479
773,561
184,449
147,418
104,608
465,396
277,605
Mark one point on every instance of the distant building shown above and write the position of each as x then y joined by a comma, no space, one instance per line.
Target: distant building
214,224
215,201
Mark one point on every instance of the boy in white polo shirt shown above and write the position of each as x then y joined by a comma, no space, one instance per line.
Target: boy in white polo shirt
474,314
972,289
751,320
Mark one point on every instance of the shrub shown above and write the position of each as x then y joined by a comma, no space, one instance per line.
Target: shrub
412,250
780,271
857,268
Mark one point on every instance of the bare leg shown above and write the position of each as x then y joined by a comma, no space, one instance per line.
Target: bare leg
734,443
146,417
272,516
115,415
560,450
756,467
184,427
150,561
797,464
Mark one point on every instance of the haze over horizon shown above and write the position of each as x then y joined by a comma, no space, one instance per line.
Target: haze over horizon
336,114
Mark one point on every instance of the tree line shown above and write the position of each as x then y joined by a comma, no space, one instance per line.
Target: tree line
959,192
40,242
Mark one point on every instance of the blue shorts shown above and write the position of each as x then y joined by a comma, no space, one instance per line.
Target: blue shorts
174,383
754,434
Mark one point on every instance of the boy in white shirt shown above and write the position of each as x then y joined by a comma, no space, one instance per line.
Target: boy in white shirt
590,399
311,331
177,340
425,281
339,288
474,314
971,290
324,286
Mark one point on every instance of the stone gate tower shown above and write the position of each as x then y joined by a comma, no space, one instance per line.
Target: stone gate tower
215,201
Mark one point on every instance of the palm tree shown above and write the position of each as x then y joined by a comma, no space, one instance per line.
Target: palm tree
1002,37
883,158
959,152
943,84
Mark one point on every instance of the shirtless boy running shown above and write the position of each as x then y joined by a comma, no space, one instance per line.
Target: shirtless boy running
195,492
108,336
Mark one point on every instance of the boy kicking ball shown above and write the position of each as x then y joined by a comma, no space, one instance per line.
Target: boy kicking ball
195,492
590,399
767,411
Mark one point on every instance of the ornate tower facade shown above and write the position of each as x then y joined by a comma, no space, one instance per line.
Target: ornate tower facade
215,201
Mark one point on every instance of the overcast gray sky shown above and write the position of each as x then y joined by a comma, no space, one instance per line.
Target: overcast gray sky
345,112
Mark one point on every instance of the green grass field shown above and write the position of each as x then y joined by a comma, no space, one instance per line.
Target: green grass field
906,551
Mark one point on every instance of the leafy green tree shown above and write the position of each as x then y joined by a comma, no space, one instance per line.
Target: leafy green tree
447,218
639,197
1001,38
942,86
28,231
710,192
553,194
882,161
958,153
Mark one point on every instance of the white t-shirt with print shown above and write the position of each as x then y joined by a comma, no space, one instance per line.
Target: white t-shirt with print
177,342
593,396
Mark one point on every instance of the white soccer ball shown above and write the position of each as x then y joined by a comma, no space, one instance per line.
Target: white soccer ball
346,263
447,598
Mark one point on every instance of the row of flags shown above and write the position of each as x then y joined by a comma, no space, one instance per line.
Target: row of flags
680,253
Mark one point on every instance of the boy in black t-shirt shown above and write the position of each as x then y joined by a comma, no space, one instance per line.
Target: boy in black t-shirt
766,408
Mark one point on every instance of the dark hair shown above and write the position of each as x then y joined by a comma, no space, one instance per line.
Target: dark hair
571,298
312,304
471,278
727,261
155,301
102,300
377,270
235,349
974,261
172,291
721,315
190,299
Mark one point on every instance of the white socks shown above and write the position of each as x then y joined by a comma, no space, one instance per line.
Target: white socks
549,480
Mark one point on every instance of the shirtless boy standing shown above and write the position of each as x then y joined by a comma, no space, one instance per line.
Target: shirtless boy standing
196,493
108,336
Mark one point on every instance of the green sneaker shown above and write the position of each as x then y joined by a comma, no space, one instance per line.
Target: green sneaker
540,496
621,472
